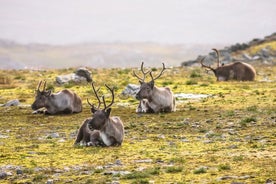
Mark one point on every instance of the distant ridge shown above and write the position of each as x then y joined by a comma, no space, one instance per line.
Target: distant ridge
236,52
95,55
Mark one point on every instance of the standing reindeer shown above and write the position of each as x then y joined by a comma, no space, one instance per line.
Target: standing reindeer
63,102
101,129
234,71
154,99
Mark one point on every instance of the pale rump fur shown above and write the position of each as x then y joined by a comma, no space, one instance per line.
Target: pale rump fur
64,101
162,100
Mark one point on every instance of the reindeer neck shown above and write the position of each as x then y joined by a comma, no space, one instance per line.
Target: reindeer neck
154,98
106,125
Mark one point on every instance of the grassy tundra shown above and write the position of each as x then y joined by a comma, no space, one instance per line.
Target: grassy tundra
228,137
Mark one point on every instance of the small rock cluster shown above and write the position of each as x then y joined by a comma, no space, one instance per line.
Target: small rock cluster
266,55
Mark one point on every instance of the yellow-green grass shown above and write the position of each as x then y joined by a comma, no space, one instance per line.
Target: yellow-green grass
231,133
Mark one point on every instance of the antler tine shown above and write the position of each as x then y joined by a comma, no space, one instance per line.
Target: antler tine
96,94
38,86
218,63
104,102
89,103
163,69
44,87
112,101
203,65
144,73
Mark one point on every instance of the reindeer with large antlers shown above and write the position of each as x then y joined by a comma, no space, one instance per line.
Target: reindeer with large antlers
101,129
234,71
154,99
63,102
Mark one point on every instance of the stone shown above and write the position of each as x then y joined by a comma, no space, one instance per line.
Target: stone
3,175
63,79
50,181
84,72
14,102
131,90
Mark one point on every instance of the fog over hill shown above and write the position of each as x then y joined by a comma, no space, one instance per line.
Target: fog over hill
95,55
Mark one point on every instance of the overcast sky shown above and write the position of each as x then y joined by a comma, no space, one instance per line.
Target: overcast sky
162,21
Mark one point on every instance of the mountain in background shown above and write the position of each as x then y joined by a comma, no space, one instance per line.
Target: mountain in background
95,55
121,55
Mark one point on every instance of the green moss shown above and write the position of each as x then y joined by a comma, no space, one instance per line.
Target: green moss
241,116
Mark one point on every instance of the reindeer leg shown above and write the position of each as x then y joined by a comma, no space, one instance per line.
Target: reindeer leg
39,112
95,139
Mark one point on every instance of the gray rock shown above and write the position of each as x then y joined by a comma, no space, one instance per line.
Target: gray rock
63,79
83,72
116,173
50,181
269,181
131,90
14,102
3,175
53,135
19,171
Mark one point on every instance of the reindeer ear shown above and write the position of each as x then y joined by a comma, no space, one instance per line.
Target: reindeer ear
93,110
141,82
151,83
48,93
108,112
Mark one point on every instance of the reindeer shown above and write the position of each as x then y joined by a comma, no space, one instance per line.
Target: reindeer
234,71
63,102
154,99
101,129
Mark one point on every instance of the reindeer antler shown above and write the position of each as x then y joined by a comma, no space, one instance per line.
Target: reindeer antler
112,101
218,63
144,73
163,69
44,86
96,94
38,86
202,65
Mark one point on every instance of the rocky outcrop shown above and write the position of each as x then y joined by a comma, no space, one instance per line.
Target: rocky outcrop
228,54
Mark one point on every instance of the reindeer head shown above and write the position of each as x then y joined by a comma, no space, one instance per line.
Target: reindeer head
41,96
100,116
146,88
219,72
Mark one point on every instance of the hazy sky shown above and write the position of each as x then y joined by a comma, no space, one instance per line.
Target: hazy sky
163,21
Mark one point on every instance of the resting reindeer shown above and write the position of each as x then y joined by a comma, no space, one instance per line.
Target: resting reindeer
154,99
63,102
234,71
101,129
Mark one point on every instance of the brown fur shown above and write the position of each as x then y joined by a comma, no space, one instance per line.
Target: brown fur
111,129
239,71
158,99
63,102
87,136
101,129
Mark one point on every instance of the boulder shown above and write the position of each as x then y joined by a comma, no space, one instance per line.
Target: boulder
131,90
83,72
14,102
62,79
